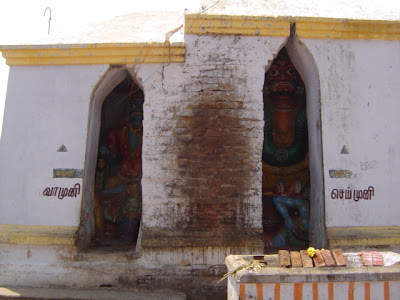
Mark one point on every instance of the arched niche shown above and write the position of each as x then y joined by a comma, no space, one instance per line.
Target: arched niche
305,65
112,82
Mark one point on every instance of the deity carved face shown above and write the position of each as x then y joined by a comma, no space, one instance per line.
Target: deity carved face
283,83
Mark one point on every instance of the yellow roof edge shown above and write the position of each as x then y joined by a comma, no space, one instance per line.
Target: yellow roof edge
286,18
60,46
209,24
309,27
78,54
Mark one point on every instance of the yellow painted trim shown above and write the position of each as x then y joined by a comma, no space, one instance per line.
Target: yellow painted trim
128,53
201,24
363,236
306,27
324,28
37,235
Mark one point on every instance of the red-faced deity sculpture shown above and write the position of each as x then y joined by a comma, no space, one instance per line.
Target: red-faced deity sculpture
285,152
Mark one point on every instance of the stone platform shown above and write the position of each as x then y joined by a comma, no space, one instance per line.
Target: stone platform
263,277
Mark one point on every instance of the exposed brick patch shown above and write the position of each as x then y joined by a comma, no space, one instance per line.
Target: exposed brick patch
203,133
213,150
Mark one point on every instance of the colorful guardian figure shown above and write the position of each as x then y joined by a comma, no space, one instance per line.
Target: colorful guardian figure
118,193
285,156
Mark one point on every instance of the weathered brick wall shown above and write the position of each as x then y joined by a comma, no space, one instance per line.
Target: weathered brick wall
203,132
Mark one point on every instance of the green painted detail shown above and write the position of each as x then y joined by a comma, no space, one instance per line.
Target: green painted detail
280,157
67,173
340,174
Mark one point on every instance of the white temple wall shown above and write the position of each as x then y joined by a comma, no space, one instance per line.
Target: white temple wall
46,107
359,84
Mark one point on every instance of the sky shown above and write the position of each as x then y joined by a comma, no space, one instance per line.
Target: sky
23,21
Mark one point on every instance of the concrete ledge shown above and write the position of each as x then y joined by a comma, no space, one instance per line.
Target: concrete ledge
37,235
159,237
102,293
363,236
165,246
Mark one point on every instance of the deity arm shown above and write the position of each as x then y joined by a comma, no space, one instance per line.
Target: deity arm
281,204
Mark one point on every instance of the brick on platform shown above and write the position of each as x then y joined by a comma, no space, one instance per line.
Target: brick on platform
367,259
339,258
318,259
284,259
322,258
377,259
306,259
295,259
372,258
329,261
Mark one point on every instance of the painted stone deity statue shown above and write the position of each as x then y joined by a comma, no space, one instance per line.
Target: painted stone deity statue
118,196
285,156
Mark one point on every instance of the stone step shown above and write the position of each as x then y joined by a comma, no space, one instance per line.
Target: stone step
92,294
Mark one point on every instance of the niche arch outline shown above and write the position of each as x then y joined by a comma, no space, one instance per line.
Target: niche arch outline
306,66
113,76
